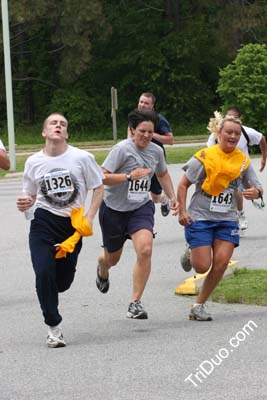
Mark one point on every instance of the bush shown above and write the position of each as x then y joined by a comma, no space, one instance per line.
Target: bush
82,111
243,83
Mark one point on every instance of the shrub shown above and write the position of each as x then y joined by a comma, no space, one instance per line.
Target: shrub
243,83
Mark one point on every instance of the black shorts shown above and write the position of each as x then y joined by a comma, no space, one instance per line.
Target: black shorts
155,187
116,225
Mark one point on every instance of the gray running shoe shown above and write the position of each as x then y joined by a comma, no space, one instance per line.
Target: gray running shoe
101,283
185,259
165,208
199,313
55,337
136,310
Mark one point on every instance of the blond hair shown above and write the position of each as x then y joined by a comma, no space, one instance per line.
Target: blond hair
216,123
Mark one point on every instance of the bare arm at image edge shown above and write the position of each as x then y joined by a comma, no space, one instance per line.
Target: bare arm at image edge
263,147
4,160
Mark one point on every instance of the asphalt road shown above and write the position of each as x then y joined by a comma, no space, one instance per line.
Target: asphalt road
109,357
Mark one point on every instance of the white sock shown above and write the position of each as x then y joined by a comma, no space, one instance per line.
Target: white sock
55,329
165,200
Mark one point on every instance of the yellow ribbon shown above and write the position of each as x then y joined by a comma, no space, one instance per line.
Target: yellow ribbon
83,228
221,168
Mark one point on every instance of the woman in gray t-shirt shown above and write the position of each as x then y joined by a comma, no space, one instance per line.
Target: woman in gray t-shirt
127,210
211,227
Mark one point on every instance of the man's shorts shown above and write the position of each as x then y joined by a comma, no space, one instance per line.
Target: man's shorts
155,187
116,225
203,233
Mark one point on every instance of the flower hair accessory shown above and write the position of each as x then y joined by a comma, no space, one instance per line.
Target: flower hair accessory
215,123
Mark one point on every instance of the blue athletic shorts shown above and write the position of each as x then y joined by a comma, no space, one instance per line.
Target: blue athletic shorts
203,233
116,226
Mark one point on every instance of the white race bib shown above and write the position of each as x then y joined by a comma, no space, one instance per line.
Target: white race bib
58,182
138,189
223,202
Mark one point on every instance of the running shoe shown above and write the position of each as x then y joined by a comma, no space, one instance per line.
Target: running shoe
165,208
101,283
242,220
185,259
199,313
136,310
259,203
55,337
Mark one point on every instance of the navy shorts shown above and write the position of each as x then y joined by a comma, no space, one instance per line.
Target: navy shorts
203,233
116,225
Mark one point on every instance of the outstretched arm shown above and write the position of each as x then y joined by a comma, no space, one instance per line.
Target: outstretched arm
96,201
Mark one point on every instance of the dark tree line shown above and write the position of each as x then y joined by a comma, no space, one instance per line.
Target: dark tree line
66,55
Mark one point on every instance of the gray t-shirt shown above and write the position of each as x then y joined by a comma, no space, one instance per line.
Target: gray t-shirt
124,157
215,208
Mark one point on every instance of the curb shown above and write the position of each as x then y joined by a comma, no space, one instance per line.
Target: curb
194,284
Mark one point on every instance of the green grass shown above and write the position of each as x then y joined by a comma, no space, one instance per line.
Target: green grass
31,135
174,155
244,287
177,155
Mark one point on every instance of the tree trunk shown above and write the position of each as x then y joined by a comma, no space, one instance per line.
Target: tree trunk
172,12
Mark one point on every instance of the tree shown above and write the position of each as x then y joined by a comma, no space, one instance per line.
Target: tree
78,49
244,83
50,47
160,49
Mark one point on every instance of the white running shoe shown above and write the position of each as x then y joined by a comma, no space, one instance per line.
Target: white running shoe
55,337
242,220
198,313
185,259
136,310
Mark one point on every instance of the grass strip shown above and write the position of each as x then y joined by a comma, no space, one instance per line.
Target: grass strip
174,155
246,286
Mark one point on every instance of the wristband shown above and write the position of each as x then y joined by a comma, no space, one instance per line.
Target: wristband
128,177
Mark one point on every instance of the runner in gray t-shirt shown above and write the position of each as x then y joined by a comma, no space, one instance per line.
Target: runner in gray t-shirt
211,227
124,158
127,210
200,203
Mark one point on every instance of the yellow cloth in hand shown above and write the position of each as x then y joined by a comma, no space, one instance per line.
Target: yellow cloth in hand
83,228
221,168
